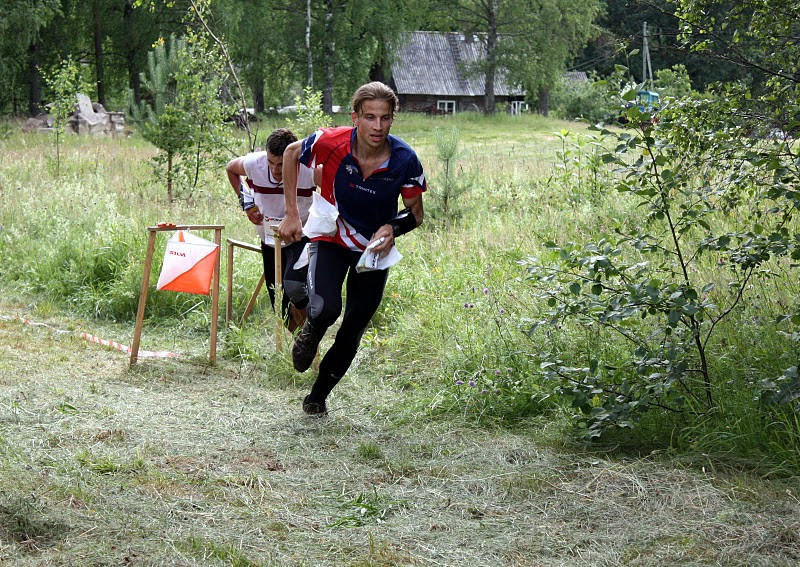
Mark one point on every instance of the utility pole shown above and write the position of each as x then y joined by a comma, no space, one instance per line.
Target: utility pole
309,59
647,68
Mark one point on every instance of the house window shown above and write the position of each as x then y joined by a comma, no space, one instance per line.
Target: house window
446,106
518,106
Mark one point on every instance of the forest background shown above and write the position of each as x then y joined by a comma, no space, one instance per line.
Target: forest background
594,310
279,47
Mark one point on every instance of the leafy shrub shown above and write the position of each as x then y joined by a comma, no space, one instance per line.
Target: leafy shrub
65,81
183,116
310,115
579,168
718,210
673,82
572,99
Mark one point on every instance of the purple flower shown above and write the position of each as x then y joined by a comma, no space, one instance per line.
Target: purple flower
486,291
472,383
497,372
502,311
509,370
459,382
484,391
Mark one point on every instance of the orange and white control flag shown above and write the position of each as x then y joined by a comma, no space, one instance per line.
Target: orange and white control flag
188,264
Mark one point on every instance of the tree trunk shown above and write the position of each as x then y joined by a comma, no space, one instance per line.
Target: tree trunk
377,71
35,81
544,101
58,153
329,56
98,53
309,58
133,68
15,102
258,94
169,177
491,56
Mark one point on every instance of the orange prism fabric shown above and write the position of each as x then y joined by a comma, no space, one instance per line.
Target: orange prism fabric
196,280
188,264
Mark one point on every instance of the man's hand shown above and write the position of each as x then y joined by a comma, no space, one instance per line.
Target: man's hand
291,229
255,216
385,237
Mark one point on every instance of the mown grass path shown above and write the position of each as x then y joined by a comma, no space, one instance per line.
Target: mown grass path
178,463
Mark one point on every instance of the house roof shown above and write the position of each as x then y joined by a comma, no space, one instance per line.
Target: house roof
576,76
432,63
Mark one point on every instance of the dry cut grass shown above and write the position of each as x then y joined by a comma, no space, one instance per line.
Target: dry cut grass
179,463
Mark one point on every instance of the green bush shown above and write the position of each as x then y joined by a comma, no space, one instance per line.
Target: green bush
572,99
310,115
673,82
664,295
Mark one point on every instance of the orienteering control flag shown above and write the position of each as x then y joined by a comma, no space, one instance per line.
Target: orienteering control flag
188,264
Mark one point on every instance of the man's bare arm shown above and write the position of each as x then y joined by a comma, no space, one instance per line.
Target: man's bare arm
291,228
235,171
415,205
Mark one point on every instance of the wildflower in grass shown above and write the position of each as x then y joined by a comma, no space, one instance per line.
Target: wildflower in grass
459,382
497,372
502,311
486,291
472,383
484,391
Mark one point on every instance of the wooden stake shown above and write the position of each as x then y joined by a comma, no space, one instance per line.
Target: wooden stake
252,303
215,297
278,288
148,265
232,244
229,286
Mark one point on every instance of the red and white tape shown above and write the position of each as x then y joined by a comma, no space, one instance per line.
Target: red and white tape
93,339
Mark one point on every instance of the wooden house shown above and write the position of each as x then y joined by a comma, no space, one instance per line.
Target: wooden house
431,74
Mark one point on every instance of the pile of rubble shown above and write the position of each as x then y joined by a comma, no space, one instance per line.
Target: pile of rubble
88,118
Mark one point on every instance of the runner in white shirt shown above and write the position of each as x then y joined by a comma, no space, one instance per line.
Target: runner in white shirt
263,173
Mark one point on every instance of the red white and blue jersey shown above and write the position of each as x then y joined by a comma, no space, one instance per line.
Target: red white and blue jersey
364,204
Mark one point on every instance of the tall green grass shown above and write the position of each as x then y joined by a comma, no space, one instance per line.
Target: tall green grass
452,327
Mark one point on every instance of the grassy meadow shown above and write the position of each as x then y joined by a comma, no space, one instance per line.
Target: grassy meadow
444,445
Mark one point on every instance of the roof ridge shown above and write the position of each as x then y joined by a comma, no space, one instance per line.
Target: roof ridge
452,41
428,64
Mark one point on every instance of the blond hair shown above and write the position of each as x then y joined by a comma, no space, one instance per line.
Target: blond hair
374,91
